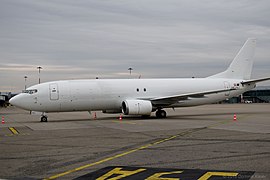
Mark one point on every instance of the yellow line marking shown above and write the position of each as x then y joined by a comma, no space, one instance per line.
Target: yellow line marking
157,176
13,130
135,150
120,173
208,175
120,155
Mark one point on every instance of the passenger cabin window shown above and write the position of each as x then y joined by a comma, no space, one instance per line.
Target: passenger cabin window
138,90
30,91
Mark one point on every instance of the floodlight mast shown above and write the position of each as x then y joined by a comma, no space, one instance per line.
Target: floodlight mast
25,77
39,68
130,69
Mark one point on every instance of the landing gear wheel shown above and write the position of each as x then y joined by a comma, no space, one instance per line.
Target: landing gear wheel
44,119
161,114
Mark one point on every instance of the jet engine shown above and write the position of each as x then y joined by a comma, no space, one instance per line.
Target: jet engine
137,107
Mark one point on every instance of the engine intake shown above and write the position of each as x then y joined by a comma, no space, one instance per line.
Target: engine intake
137,107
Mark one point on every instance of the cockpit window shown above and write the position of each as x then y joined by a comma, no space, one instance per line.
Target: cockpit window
30,91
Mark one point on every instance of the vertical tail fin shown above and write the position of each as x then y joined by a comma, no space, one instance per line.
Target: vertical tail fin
241,66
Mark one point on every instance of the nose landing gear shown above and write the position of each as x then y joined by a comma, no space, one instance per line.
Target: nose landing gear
44,118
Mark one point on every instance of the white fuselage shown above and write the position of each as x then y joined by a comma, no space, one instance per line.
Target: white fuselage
108,94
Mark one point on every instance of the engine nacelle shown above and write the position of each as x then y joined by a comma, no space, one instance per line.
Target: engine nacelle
137,107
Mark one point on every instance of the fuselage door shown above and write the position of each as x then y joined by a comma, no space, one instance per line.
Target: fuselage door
54,93
227,86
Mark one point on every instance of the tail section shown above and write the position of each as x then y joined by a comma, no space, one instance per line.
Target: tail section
241,66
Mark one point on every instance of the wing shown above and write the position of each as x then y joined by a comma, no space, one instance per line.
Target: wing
168,100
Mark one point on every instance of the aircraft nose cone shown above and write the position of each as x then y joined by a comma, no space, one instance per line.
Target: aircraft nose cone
13,100
17,101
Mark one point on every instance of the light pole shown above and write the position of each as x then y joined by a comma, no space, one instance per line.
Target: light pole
25,77
39,68
130,69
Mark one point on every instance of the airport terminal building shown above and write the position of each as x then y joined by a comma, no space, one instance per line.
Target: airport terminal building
260,94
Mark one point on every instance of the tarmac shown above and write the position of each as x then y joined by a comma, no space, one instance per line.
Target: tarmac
194,139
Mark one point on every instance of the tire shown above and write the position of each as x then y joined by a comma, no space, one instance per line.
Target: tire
161,114
44,119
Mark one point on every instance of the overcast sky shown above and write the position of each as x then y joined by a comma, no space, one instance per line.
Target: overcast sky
84,39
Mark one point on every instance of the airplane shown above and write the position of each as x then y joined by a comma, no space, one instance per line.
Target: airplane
141,96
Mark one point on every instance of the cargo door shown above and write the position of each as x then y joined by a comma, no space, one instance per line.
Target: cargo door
54,93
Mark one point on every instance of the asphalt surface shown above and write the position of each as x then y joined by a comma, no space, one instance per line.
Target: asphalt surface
72,145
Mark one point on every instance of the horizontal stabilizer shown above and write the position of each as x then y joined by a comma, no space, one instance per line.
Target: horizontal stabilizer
255,80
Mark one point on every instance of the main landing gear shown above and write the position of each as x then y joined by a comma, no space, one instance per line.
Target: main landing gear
161,113
44,118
